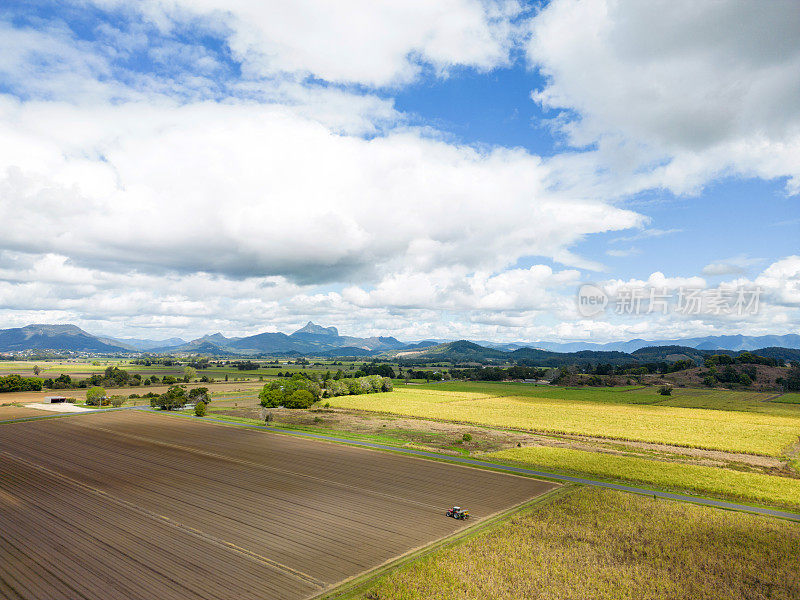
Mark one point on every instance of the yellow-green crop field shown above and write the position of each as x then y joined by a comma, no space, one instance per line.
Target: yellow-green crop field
753,487
727,430
608,545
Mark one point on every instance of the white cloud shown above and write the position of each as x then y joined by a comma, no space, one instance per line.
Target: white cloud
619,253
736,265
721,268
782,281
674,93
250,189
140,204
376,43
535,289
646,234
50,61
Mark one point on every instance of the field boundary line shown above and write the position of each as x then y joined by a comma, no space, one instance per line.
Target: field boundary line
347,588
299,575
522,471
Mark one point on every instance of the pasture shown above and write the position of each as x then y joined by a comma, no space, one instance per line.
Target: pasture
144,505
756,426
603,544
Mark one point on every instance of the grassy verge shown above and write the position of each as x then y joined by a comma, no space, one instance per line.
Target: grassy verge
387,438
603,544
726,483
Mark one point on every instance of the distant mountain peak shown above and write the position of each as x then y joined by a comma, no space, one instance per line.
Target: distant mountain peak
44,336
215,337
315,329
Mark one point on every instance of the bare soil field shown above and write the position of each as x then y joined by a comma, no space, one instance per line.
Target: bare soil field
142,505
10,413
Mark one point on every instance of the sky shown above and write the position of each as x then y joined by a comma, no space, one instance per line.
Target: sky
423,169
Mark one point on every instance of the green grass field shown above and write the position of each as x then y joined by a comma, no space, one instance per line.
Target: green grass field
713,481
603,412
792,398
608,545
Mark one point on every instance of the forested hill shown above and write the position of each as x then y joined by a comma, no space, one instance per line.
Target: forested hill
462,351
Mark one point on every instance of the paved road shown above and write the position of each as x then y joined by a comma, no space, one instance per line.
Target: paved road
479,463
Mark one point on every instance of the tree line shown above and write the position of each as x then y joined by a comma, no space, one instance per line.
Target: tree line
18,383
301,391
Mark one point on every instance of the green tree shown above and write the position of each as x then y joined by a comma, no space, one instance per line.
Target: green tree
37,370
17,383
174,398
271,398
200,409
299,399
199,394
95,395
189,373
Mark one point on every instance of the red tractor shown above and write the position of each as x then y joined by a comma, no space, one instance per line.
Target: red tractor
457,513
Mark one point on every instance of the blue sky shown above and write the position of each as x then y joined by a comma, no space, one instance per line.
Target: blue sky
432,169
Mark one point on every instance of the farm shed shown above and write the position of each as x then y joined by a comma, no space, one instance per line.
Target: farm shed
54,399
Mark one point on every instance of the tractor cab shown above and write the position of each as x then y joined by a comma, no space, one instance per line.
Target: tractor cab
457,513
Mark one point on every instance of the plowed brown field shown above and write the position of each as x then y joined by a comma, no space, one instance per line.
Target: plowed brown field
10,413
142,505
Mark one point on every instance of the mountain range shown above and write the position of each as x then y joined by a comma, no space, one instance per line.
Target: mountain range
463,352
316,340
53,337
711,342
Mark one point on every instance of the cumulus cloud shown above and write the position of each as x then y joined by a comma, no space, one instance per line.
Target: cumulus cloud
782,280
375,43
537,303
250,189
231,188
674,93
532,289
